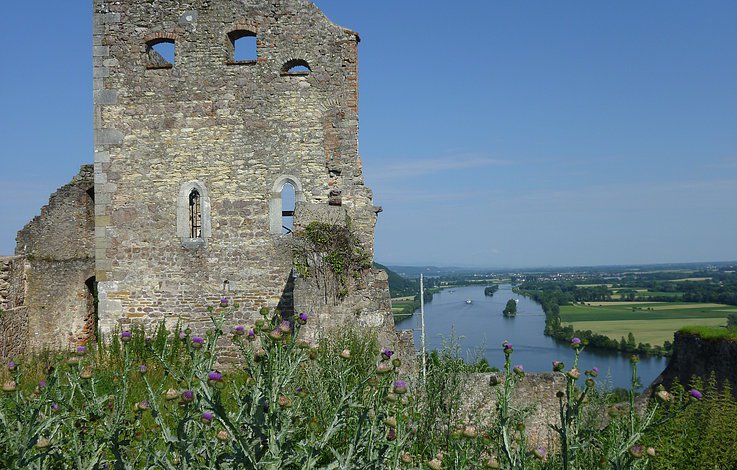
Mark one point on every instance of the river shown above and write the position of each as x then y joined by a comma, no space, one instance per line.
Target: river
481,328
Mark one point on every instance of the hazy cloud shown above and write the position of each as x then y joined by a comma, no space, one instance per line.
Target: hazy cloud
414,168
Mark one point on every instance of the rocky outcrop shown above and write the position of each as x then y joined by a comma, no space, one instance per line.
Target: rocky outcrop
696,356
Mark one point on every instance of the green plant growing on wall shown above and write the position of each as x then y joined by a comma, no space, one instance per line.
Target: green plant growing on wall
332,255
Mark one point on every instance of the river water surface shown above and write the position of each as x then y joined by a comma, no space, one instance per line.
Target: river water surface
482,328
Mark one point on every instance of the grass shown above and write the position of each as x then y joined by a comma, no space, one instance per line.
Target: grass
711,333
646,331
650,322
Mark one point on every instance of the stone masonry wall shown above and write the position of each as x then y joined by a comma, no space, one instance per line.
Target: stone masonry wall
13,315
236,130
57,247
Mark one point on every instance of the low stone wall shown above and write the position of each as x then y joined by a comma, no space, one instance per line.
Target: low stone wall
536,393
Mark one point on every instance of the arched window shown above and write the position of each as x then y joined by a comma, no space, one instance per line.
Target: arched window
296,67
242,47
160,53
195,214
287,208
285,193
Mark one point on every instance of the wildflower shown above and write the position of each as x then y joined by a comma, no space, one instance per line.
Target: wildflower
12,365
302,344
284,401
222,436
182,335
400,387
386,354
207,417
634,359
519,370
492,463
215,376
148,340
142,369
264,311
435,464
405,457
558,366
540,453
42,443
86,373
507,347
10,386
187,396
73,360
81,350
383,368
240,330
470,432
223,302
41,384
391,435
275,334
55,407
126,336
142,405
696,394
285,326
574,374
650,451
301,392
590,382
663,395
494,380
251,334
390,421
260,323
636,451
197,342
391,397
172,394
576,342
302,318
188,331
594,372
396,362
345,354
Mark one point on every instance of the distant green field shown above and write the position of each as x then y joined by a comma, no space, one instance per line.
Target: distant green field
650,322
646,331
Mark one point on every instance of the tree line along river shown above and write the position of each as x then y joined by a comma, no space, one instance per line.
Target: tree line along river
481,328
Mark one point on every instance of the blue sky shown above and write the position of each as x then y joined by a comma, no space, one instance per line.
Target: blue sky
494,133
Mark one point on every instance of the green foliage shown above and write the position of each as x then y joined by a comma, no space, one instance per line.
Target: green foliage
490,290
711,333
510,309
332,255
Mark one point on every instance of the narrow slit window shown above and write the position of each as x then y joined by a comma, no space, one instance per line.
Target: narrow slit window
243,48
195,214
160,53
296,67
287,213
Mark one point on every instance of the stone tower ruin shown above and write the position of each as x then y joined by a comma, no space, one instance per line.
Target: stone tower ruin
206,113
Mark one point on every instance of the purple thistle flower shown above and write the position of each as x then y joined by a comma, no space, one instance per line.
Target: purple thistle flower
125,336
540,453
182,335
595,369
508,348
387,353
81,350
215,376
41,384
558,366
198,339
400,387
12,365
240,330
55,407
207,417
302,318
187,395
519,370
285,326
576,342
391,435
223,302
696,394
142,369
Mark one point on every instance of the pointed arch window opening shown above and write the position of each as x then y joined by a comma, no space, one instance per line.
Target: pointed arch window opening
195,214
288,198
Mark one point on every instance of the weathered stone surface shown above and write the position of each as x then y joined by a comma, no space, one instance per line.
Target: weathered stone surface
695,356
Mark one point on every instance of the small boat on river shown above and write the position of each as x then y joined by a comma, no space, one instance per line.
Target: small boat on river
469,301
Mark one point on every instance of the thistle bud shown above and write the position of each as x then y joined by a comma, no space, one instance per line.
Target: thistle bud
405,458
470,432
390,421
636,451
435,464
284,401
10,386
42,443
172,394
222,435
494,380
86,373
574,374
345,354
